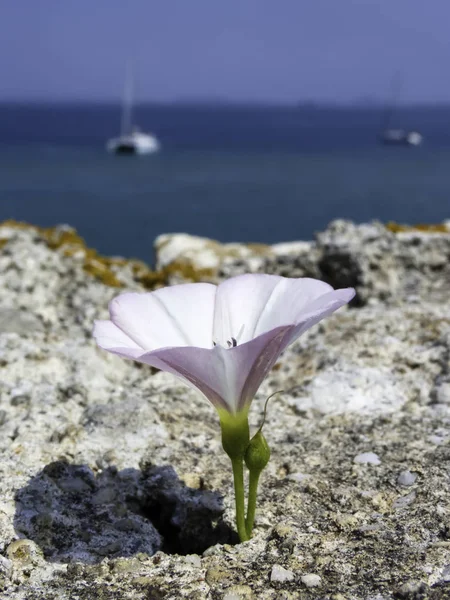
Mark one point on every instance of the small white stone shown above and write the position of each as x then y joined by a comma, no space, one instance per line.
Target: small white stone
311,580
281,574
194,560
5,564
299,477
406,478
367,458
443,393
404,501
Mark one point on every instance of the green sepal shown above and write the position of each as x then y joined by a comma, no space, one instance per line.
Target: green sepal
257,454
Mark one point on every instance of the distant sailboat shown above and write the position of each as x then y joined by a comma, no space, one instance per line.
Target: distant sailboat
131,140
397,137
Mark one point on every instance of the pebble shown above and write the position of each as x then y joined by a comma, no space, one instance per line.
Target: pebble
443,393
404,501
367,458
299,477
5,564
311,580
280,574
445,577
238,592
411,589
194,560
406,478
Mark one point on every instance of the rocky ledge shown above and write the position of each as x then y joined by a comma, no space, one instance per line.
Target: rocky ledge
112,481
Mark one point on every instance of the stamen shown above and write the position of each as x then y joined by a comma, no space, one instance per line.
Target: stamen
240,332
232,343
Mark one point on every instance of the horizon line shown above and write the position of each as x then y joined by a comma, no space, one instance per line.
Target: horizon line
375,104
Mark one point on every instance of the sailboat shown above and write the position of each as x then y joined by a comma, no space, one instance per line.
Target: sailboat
397,137
131,140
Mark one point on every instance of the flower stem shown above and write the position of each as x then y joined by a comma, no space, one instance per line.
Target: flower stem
238,476
251,507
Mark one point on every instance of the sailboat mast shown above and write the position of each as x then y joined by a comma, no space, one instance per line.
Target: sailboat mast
125,124
396,86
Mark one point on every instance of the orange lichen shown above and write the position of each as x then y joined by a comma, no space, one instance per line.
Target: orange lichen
188,272
421,227
106,269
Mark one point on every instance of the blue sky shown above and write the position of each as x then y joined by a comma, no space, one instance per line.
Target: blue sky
242,50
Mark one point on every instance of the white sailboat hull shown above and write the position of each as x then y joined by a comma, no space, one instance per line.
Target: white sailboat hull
400,137
134,143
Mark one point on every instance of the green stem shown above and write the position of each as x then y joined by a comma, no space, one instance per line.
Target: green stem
238,476
251,507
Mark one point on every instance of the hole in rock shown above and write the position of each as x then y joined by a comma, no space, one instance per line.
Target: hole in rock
74,514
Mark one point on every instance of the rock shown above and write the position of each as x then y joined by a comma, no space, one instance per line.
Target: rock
186,257
367,458
406,478
445,576
280,574
404,501
113,482
194,560
442,393
16,321
412,590
386,263
25,552
239,592
311,580
382,263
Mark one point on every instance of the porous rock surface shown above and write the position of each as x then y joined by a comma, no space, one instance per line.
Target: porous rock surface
113,484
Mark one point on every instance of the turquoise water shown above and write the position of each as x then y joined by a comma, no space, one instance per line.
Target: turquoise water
248,190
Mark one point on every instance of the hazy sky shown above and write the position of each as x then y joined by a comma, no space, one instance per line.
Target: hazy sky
266,50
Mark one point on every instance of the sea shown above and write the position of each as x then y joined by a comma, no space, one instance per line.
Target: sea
246,173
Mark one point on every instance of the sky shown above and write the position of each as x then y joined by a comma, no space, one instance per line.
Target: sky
229,50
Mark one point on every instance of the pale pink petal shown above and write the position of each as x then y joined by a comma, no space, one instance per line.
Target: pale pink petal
320,309
288,301
229,378
240,301
249,305
111,338
180,315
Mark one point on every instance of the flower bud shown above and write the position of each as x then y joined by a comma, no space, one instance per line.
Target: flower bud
257,454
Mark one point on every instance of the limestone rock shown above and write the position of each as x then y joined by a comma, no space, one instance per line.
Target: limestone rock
311,580
111,472
280,574
382,263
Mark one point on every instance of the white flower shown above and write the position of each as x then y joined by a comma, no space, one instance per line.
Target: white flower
221,340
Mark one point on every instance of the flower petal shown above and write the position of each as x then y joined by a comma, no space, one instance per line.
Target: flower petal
260,303
229,378
319,309
111,338
239,304
180,315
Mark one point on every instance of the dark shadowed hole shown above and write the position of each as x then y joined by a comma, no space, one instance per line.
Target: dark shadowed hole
76,515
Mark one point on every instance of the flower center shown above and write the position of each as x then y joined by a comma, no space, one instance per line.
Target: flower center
233,341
